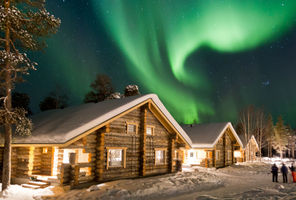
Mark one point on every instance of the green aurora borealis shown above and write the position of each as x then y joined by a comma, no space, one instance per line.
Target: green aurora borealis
205,59
154,34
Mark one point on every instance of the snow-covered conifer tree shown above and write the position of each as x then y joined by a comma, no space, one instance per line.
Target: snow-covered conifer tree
23,26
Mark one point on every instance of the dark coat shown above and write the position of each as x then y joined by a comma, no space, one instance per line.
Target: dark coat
292,168
274,169
284,169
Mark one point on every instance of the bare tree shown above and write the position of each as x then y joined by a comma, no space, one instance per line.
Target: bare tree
269,135
260,121
247,122
291,141
280,139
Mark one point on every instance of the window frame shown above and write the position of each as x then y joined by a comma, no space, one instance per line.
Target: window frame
131,123
152,130
164,155
123,165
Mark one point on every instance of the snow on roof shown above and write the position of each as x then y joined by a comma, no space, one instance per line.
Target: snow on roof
207,135
60,126
244,142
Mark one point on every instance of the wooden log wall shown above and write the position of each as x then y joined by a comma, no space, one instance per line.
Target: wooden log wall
225,145
46,161
143,127
20,162
1,161
137,145
89,145
160,138
37,161
100,153
250,151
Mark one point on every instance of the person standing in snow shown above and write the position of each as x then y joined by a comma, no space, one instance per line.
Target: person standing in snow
292,168
274,171
284,171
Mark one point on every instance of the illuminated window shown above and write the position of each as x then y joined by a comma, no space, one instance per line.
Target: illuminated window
85,171
159,156
131,128
176,154
217,154
149,130
81,157
44,150
116,157
191,154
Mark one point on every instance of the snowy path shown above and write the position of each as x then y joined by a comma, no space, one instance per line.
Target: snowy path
252,181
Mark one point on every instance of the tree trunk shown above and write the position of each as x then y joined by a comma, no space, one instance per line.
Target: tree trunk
8,131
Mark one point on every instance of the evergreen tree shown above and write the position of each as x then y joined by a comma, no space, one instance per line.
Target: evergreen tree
55,100
131,90
23,25
21,100
101,89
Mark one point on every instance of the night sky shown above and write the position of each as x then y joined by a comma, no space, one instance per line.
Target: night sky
206,60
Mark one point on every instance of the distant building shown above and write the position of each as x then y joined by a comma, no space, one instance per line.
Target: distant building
250,148
213,145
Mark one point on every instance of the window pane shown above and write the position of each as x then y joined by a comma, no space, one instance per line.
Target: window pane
82,157
115,157
131,128
159,157
149,131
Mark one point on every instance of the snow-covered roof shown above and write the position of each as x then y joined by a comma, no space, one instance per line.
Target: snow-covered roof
207,135
60,126
244,142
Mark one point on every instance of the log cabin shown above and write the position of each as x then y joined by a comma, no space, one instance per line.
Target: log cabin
213,144
249,150
114,139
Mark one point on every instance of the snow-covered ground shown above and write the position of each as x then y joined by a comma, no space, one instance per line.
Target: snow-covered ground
17,192
240,181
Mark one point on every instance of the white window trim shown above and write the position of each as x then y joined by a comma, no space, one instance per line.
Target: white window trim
124,157
160,149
